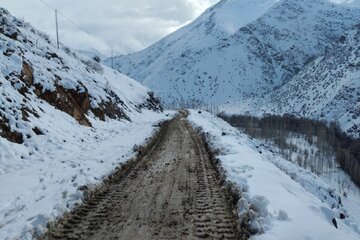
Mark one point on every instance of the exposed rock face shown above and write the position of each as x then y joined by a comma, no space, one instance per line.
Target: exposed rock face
5,29
7,133
73,102
27,74
111,108
151,103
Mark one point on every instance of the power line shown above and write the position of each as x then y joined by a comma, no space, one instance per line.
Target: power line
67,18
46,4
75,24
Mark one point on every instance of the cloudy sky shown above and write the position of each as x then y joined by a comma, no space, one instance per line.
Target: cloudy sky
127,25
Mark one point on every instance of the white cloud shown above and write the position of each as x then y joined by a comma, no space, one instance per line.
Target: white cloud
128,25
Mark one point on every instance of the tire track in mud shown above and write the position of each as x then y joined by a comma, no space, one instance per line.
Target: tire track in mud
171,191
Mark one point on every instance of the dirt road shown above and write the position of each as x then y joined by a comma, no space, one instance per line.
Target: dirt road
171,191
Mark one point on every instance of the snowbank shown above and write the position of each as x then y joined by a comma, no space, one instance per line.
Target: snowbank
283,200
41,178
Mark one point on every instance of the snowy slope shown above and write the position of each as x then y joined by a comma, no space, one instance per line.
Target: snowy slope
239,49
66,122
278,199
218,22
328,88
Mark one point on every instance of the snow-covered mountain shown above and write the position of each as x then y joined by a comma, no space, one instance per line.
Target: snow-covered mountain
328,88
66,121
239,49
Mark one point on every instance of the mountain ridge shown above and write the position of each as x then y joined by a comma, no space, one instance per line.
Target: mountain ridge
246,65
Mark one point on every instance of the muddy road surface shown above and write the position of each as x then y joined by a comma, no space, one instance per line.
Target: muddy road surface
171,191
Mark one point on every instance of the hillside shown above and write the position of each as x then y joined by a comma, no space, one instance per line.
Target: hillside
33,69
238,50
66,122
328,88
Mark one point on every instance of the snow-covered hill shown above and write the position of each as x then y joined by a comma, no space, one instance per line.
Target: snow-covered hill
239,49
66,121
328,88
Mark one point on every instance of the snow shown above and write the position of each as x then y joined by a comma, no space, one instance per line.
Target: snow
234,14
42,177
327,89
352,3
286,201
246,54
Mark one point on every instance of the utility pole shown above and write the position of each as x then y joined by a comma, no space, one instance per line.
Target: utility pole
112,57
57,28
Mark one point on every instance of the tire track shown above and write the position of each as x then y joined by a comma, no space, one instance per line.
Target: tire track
172,191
